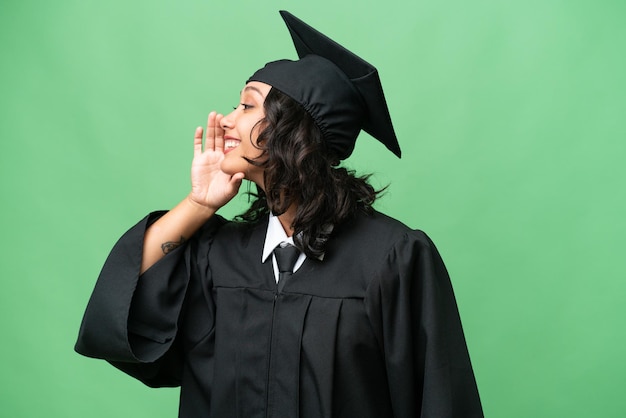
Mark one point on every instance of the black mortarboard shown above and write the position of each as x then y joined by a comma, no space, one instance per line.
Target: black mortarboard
340,91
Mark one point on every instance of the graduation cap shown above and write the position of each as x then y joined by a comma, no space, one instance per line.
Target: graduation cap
340,91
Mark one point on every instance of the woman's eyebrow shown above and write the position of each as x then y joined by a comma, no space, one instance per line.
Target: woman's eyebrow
255,89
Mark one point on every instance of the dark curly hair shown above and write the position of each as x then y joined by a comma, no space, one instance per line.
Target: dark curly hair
300,170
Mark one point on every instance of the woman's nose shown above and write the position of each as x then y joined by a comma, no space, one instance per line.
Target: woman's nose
228,121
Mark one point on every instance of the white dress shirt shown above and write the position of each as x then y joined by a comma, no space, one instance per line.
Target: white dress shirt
274,237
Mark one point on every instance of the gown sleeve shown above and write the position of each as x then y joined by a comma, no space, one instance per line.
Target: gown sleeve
132,320
414,314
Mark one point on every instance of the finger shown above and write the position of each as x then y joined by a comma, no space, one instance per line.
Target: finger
219,133
235,182
197,141
210,132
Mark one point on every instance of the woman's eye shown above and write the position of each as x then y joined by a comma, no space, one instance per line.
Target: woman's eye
246,106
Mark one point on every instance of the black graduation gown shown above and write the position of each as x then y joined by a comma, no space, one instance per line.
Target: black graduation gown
371,331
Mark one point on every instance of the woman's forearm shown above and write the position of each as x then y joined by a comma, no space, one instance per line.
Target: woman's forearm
172,230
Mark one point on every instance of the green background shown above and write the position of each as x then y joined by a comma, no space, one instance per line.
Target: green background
511,116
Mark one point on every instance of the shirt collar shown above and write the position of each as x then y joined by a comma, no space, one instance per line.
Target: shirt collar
274,236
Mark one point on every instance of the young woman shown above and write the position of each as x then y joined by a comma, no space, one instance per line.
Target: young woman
362,322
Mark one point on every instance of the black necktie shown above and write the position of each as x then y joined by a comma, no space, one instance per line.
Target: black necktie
286,258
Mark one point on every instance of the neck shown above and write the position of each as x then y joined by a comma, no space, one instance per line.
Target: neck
286,220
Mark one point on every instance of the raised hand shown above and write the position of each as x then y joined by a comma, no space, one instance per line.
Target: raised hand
211,189
210,186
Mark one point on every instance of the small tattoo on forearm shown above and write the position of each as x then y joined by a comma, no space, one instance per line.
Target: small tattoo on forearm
170,246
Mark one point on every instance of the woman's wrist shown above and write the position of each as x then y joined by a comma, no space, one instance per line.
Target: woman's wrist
199,209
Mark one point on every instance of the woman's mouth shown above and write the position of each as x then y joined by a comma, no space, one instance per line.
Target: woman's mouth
230,144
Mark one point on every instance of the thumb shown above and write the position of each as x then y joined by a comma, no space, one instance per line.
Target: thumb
235,182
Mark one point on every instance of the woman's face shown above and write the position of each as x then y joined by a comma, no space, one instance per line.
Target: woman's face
241,130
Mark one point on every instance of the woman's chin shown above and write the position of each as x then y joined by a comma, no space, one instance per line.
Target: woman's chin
230,167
